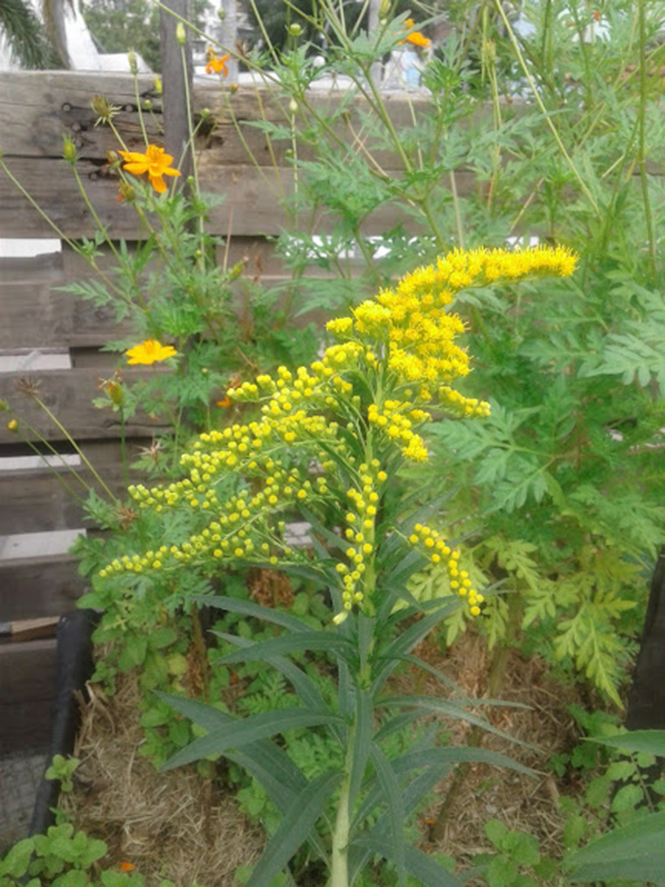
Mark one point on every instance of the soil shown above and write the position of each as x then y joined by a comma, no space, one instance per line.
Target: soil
173,825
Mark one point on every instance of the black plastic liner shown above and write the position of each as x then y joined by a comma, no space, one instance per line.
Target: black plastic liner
74,667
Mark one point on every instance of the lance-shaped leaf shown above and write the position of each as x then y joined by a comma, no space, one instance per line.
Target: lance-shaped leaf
322,641
426,870
362,742
240,733
390,788
635,852
249,608
406,641
651,742
295,827
429,705
301,682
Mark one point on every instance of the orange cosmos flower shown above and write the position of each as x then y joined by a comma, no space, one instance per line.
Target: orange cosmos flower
226,401
150,352
415,37
155,162
216,63
127,867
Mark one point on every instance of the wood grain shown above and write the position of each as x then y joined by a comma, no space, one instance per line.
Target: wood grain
68,394
39,586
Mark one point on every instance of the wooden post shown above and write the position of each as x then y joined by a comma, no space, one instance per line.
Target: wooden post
176,80
228,36
372,31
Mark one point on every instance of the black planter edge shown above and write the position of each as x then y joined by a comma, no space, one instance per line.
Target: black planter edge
74,667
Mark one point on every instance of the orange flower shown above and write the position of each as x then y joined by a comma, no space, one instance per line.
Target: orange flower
226,401
216,63
155,162
127,867
415,37
150,352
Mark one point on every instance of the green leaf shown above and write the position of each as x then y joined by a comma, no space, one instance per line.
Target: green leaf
325,641
162,637
248,608
395,813
15,864
501,872
295,827
362,743
650,741
429,704
427,870
496,832
407,640
635,852
239,733
301,682
72,878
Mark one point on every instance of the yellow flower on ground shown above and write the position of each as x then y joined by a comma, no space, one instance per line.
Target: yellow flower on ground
155,162
150,352
216,63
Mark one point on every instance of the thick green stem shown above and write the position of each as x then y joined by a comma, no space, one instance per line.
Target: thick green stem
339,876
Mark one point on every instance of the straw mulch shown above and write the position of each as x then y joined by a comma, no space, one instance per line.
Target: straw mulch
174,825
545,727
169,825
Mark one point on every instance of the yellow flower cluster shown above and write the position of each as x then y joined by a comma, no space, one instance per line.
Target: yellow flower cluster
330,433
413,325
363,502
396,420
434,547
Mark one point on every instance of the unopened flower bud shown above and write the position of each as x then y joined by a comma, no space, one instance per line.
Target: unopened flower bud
115,392
69,150
237,270
295,30
133,64
205,113
112,157
233,87
12,425
158,85
221,14
147,104
293,106
384,8
4,406
180,34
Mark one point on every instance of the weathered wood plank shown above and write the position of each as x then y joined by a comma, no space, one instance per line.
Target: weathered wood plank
52,499
39,586
68,394
37,108
253,202
27,690
39,316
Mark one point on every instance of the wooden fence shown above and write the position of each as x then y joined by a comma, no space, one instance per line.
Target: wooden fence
51,337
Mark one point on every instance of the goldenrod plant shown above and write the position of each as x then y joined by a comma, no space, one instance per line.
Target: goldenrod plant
330,445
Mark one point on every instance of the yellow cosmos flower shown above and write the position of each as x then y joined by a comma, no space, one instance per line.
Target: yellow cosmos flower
155,162
150,352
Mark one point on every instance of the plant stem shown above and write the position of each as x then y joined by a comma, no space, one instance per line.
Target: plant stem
642,141
557,138
340,837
